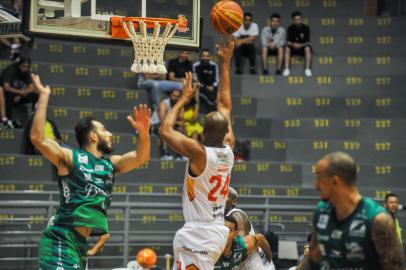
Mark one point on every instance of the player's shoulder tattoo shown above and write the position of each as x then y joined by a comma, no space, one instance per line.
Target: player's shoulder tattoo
386,242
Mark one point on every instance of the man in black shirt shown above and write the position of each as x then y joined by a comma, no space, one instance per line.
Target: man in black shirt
206,72
298,43
17,85
177,67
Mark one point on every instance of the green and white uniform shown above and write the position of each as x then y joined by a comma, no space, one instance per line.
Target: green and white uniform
85,196
347,244
238,255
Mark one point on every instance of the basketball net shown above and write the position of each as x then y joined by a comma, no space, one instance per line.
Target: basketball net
149,50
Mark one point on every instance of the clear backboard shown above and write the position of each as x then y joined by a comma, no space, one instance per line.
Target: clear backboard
90,19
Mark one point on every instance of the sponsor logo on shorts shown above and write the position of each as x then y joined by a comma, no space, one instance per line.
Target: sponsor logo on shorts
203,252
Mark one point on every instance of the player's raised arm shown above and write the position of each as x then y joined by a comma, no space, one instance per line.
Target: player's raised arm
177,141
258,240
58,155
386,243
224,106
131,160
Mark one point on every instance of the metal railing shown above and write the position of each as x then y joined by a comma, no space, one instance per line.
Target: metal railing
128,207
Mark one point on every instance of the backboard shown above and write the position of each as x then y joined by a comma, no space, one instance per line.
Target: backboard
90,19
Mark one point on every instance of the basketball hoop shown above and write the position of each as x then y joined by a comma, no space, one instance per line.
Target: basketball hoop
148,49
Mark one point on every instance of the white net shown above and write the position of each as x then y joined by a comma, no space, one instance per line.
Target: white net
149,49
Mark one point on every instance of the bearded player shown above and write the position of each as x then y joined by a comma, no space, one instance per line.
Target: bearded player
200,242
85,179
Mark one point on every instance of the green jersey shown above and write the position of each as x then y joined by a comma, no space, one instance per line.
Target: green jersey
238,255
347,244
85,193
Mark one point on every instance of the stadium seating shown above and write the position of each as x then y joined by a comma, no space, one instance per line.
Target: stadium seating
353,103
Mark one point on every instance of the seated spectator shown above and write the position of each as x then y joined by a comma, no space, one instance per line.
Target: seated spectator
193,128
298,43
5,123
245,43
177,67
18,87
15,44
155,84
165,107
206,72
51,131
273,38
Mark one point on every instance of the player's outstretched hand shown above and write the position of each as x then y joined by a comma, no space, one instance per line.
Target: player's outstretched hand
141,118
188,90
225,50
46,90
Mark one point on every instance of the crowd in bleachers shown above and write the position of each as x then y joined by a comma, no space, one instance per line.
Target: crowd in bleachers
275,40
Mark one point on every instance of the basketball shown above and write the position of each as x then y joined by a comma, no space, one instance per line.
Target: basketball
146,258
226,17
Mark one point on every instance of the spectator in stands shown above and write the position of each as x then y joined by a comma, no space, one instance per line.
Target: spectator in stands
245,43
51,131
14,44
273,39
18,88
177,67
155,84
4,123
206,72
164,108
392,205
193,128
298,43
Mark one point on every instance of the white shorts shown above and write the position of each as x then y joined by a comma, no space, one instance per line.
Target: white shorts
198,245
255,262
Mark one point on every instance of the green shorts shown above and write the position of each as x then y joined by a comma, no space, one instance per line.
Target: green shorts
62,248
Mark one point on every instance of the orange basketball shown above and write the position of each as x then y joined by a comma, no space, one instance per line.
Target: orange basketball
146,258
226,17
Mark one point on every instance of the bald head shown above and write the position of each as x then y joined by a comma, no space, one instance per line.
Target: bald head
215,128
231,199
342,165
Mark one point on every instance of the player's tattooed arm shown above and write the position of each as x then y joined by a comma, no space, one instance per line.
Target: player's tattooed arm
386,243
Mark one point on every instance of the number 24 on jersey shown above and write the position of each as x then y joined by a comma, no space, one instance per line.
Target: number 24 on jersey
217,181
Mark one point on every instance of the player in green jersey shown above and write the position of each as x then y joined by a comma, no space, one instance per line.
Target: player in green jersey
85,179
350,231
240,246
